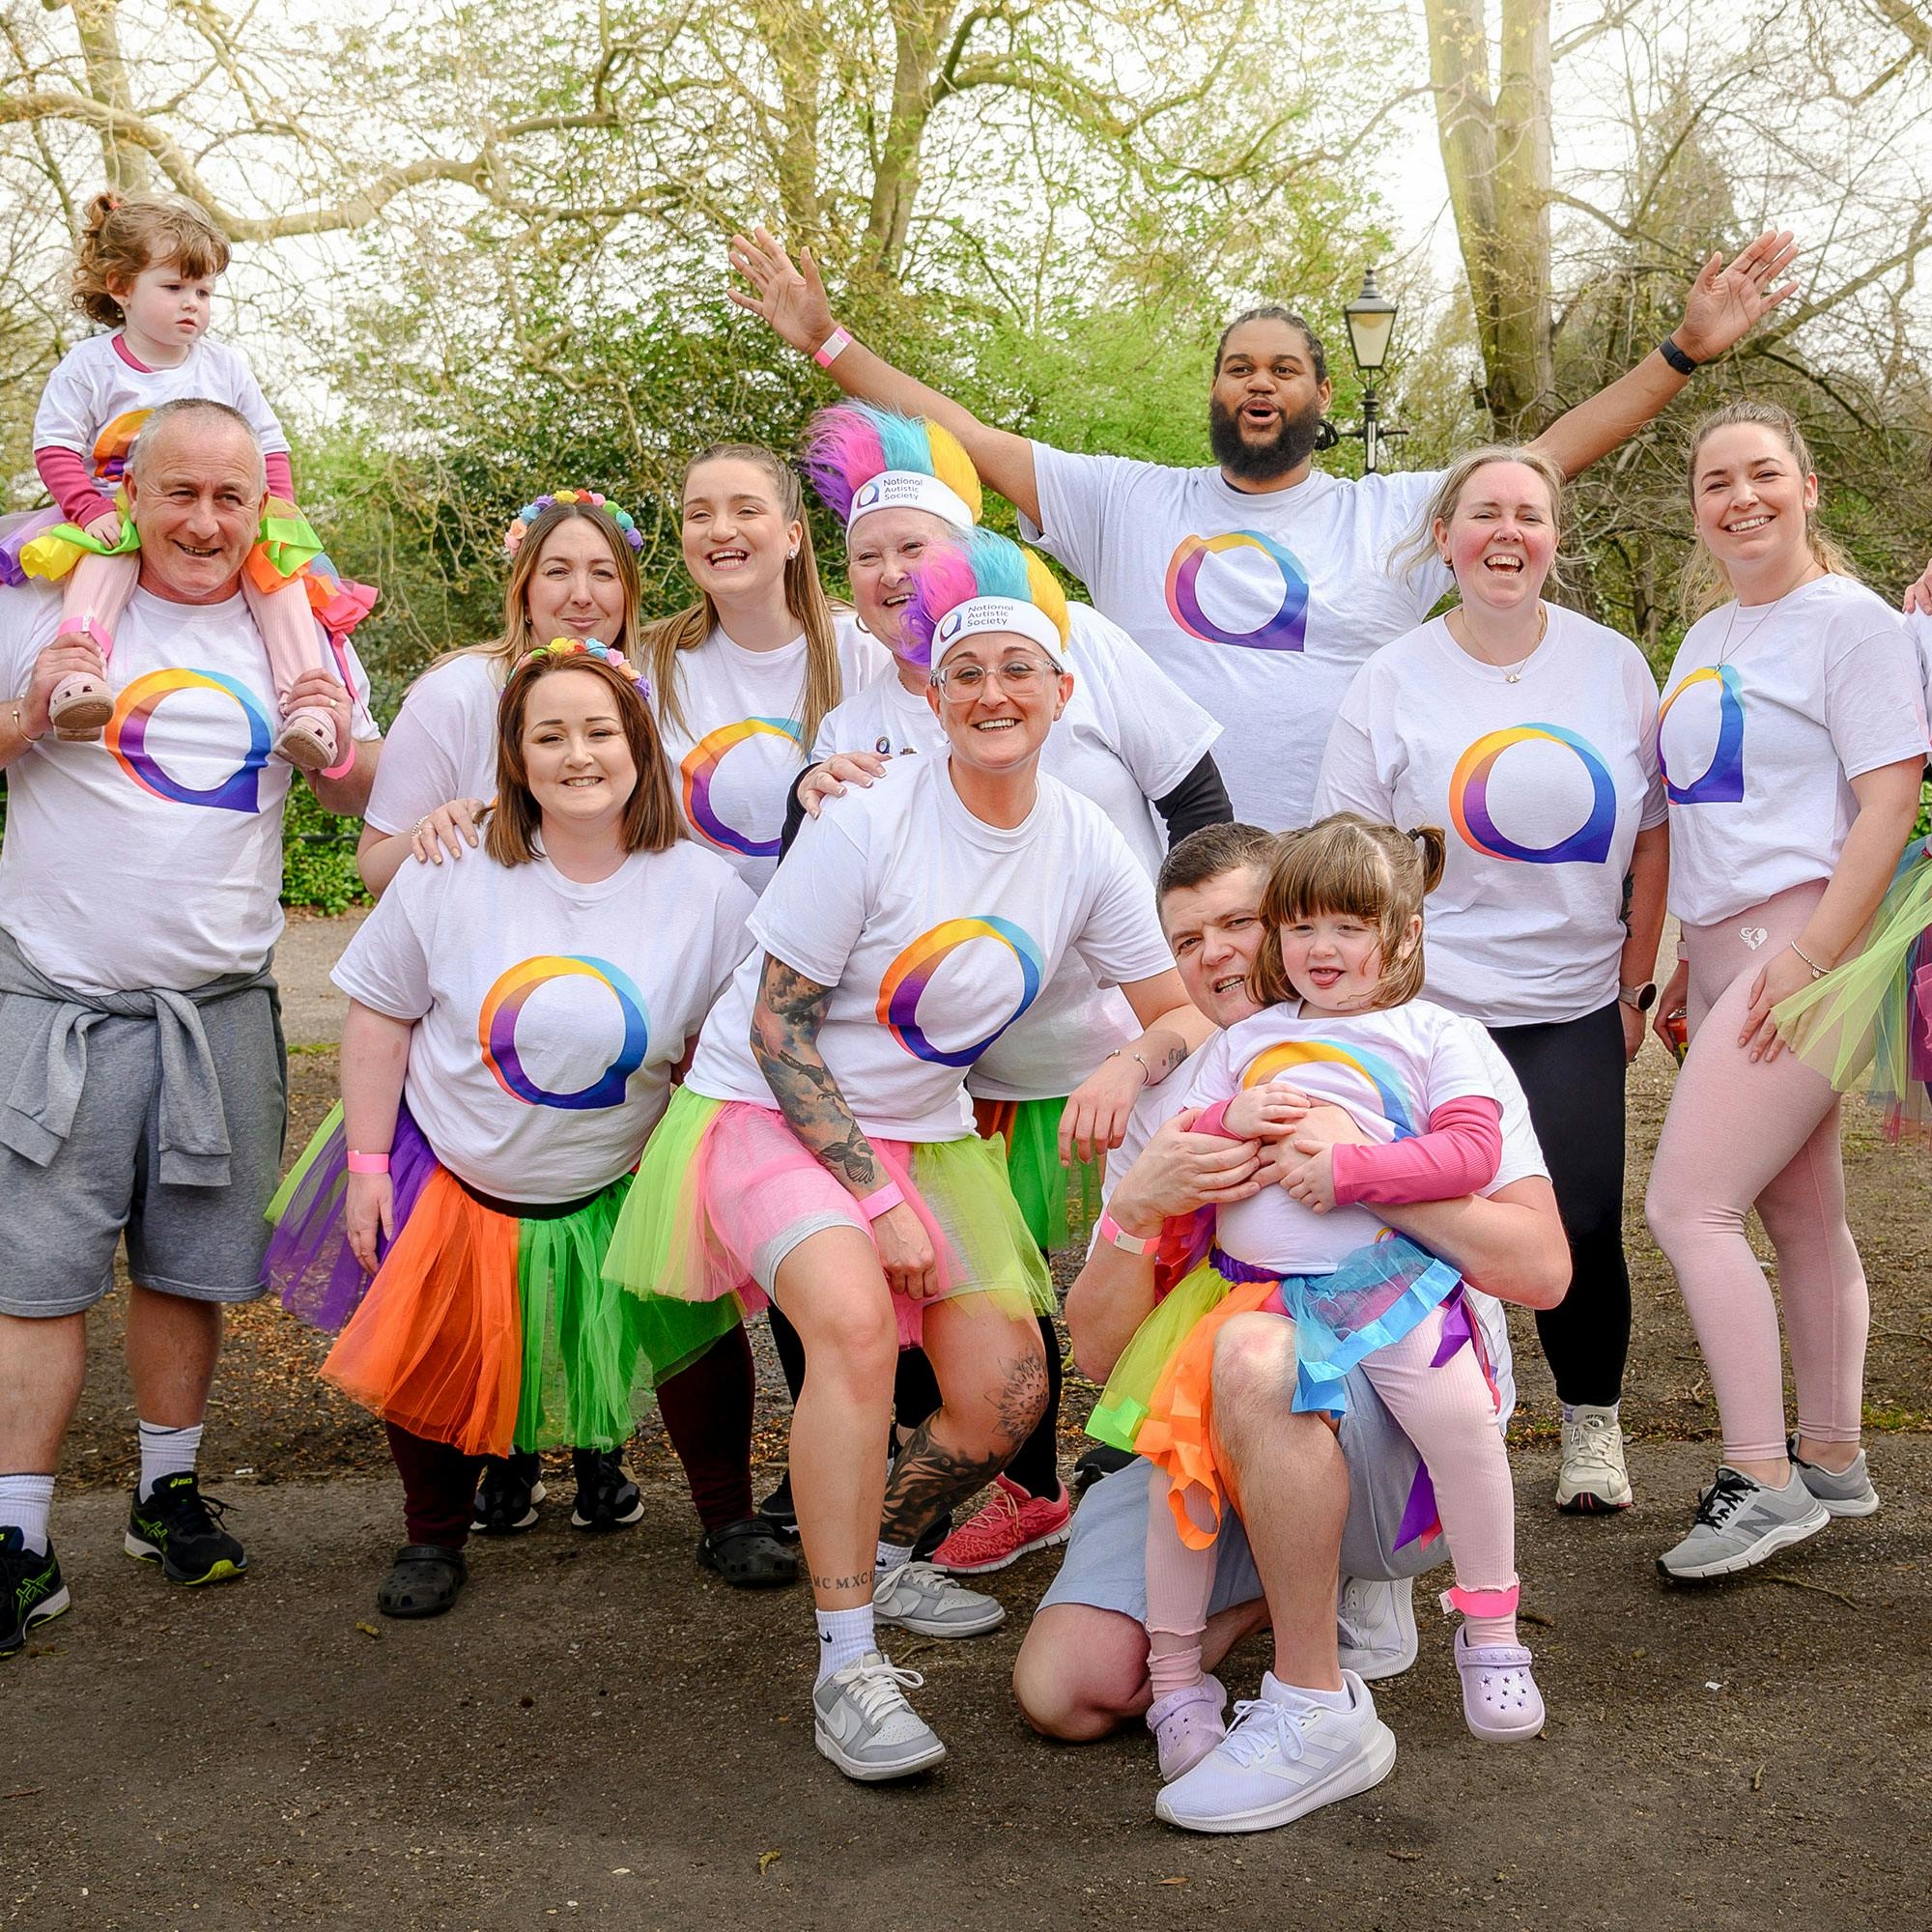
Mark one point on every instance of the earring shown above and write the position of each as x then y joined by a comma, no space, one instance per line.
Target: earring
791,553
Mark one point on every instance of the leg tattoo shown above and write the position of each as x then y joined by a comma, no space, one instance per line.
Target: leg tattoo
929,1475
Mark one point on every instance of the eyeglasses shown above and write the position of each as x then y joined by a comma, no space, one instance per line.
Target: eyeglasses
1019,678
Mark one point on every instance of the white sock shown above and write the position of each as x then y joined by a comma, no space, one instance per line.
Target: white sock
891,1555
165,1452
1278,1693
843,1637
24,1502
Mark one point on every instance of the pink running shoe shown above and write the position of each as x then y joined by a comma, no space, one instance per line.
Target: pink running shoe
1500,1702
1186,1725
1009,1525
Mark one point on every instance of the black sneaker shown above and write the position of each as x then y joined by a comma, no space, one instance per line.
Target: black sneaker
930,1538
1102,1460
180,1529
508,1495
31,1590
777,1510
607,1499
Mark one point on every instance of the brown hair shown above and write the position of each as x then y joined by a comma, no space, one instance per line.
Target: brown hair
1417,548
804,599
119,237
650,821
1210,852
516,640
1348,865
1706,585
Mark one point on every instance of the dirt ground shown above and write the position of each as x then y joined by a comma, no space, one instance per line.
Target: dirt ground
604,1733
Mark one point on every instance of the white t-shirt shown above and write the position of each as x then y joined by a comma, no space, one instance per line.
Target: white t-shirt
1129,736
1521,1158
442,746
549,1014
1540,786
734,761
1769,711
935,931
1260,606
98,398
1919,628
1388,1071
152,857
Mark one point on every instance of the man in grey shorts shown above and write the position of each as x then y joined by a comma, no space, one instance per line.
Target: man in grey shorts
142,1078
1315,1509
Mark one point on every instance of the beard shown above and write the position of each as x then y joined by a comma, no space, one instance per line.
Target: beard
1292,445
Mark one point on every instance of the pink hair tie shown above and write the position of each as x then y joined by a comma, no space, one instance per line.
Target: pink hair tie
368,1163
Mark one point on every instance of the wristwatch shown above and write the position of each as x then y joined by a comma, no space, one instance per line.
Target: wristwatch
1642,998
1132,1244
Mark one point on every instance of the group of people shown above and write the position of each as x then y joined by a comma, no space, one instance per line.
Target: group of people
1277,942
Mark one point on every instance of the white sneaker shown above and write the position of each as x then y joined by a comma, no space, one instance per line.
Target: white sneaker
1374,1627
1845,1492
919,1597
862,1721
1283,1759
1593,1480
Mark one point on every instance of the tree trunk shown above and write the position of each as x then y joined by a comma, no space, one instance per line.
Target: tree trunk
917,27
98,25
794,33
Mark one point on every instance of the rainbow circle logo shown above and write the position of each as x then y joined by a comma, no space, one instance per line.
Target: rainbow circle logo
1723,778
948,625
1469,800
907,977
126,739
116,443
496,1030
701,768
1371,1068
1286,631
868,494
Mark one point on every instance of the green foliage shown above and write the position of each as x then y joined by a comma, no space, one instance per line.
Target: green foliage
319,855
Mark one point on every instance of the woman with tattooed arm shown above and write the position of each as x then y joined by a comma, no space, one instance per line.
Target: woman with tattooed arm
821,1152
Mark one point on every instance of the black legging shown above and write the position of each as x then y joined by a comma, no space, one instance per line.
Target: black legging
1573,1075
1036,1464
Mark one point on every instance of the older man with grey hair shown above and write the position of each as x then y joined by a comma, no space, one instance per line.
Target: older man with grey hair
142,1075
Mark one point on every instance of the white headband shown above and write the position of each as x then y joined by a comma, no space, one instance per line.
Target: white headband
980,615
909,490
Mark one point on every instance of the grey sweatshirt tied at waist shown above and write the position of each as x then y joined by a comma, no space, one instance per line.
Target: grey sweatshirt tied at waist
43,1029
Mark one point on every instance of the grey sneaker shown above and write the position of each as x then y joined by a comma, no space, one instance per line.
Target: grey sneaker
919,1597
1740,1521
1593,1480
1849,1492
1374,1627
862,1721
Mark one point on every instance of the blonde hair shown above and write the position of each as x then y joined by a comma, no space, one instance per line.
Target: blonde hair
1350,865
119,237
1705,583
1417,548
517,639
804,599
650,822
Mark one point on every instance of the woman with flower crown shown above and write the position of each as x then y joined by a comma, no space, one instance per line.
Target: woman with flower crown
573,557
514,1028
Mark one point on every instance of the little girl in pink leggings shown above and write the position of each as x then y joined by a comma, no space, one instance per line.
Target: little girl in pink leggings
1792,737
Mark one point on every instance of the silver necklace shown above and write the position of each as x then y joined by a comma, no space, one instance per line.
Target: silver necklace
1724,649
1513,673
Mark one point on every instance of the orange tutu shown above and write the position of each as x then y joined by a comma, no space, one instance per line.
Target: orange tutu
436,1345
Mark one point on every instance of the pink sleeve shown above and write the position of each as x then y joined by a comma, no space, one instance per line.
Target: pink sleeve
1211,1122
1459,1153
281,478
65,474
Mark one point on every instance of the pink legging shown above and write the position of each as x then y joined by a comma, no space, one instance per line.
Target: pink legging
1450,1414
1740,1134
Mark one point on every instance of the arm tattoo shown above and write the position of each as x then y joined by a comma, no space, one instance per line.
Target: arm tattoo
786,1019
929,1476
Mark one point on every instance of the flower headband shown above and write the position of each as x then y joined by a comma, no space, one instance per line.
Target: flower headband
520,524
557,653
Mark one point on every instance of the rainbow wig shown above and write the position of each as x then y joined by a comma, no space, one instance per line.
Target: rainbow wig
984,582
855,453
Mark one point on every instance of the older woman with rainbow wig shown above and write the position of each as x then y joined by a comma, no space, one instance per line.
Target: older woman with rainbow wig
821,1150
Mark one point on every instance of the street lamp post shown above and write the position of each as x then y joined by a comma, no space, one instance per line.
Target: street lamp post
1371,320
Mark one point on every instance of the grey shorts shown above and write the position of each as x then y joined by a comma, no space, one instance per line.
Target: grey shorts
1105,1567
64,1221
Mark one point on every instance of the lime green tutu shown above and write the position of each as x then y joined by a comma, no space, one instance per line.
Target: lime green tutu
1060,1204
1122,1406
1875,1010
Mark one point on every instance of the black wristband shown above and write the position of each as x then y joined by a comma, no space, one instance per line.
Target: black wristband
1676,357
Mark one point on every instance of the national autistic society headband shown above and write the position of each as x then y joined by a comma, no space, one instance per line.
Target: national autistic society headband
908,490
980,615
861,458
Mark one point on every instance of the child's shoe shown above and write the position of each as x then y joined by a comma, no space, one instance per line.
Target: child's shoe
307,739
80,704
1500,1702
1186,1725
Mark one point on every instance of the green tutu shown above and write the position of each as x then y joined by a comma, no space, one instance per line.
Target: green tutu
1059,1205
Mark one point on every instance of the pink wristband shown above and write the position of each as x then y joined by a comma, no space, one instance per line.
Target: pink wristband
1132,1244
881,1200
368,1163
827,352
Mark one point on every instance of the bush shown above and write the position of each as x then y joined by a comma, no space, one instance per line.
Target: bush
319,855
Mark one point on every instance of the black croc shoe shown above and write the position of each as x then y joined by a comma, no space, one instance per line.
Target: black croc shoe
748,1555
426,1581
